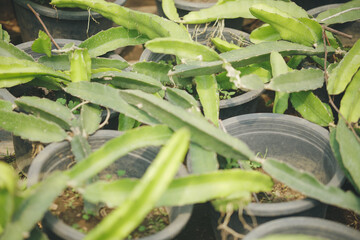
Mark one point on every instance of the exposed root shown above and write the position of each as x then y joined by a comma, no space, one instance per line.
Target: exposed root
106,121
36,149
223,223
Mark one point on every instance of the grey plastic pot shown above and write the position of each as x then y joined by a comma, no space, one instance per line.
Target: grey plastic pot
294,140
58,156
315,227
23,148
6,95
351,28
242,104
6,145
183,7
61,23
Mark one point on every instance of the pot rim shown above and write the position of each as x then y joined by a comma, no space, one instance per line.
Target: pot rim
60,13
286,208
241,99
6,95
191,6
315,225
316,11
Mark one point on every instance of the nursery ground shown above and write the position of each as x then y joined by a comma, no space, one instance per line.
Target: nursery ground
199,225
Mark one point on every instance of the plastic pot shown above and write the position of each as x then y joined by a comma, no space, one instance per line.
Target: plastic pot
183,7
242,104
23,148
61,23
309,4
294,140
315,227
58,156
351,28
6,145
6,10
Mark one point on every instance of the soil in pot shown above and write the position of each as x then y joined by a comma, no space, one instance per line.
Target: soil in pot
279,193
349,218
69,207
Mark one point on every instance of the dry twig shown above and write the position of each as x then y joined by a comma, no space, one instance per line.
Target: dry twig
337,32
43,25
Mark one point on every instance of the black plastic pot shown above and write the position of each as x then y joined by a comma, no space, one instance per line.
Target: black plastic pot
242,104
58,156
61,23
351,28
183,7
314,227
24,148
6,10
294,140
309,4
